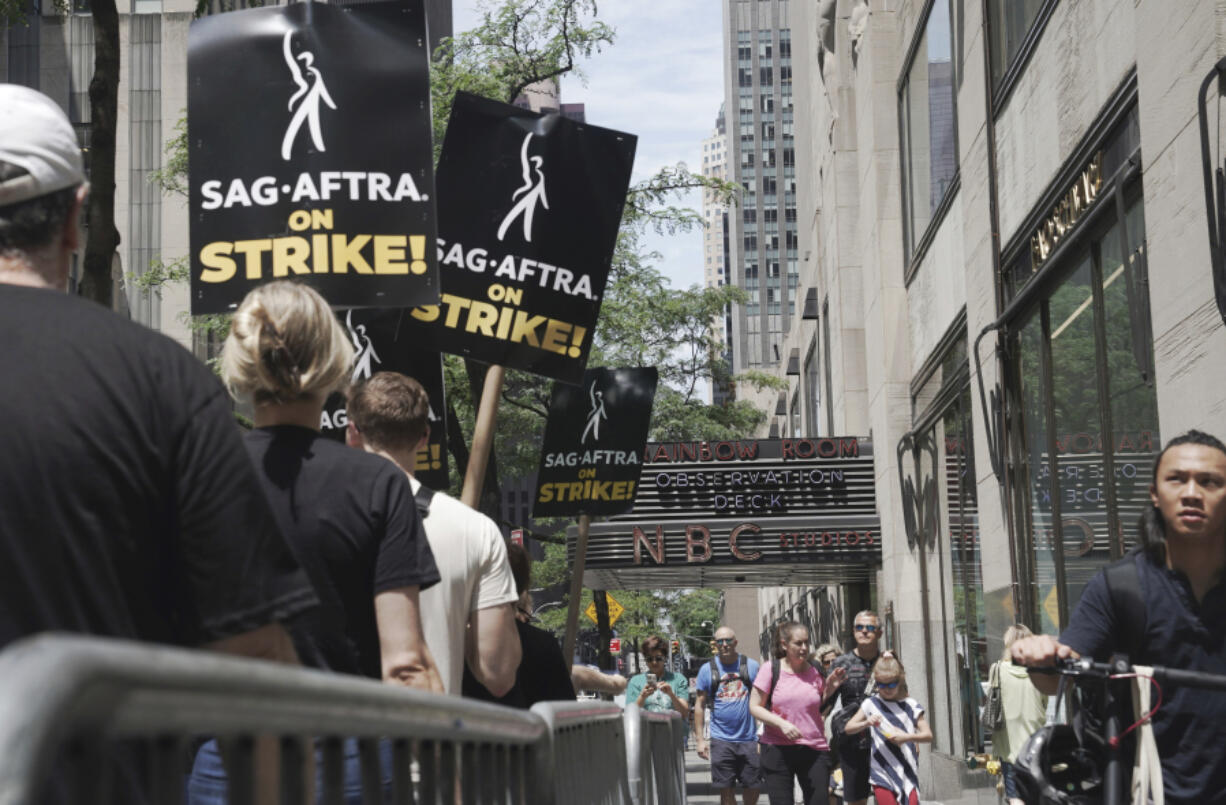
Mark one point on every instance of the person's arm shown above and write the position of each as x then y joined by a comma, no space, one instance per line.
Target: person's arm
492,648
861,721
700,718
830,689
584,678
1041,651
405,656
922,734
679,702
759,711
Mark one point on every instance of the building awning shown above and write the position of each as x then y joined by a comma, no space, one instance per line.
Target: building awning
781,404
810,310
794,361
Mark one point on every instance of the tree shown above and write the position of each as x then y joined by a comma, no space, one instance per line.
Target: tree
102,238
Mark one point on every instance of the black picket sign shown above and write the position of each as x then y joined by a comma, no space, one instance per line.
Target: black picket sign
311,157
382,345
529,207
594,440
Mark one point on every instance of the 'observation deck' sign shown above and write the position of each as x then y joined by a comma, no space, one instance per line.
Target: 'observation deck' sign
777,511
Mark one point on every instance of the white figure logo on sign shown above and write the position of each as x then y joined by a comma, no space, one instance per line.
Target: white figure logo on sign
365,350
530,194
595,415
309,93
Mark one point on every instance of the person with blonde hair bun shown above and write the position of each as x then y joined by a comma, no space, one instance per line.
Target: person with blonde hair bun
349,516
1024,709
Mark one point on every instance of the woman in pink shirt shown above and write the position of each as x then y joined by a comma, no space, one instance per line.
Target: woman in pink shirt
788,697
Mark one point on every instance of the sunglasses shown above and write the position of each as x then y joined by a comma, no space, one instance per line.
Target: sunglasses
656,658
888,685
828,661
865,627
725,641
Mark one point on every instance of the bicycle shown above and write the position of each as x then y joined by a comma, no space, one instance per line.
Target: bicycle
1063,763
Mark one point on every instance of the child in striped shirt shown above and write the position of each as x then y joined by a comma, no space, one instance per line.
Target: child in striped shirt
898,724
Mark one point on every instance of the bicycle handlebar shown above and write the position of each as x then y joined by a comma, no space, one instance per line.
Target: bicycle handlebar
1087,668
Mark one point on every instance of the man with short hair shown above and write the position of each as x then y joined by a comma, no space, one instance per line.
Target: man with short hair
128,506
854,750
1179,577
470,614
733,749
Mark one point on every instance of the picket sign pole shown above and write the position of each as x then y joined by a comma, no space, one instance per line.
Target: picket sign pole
483,436
576,591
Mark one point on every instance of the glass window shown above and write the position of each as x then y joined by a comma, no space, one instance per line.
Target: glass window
795,415
928,124
1010,21
1101,420
813,391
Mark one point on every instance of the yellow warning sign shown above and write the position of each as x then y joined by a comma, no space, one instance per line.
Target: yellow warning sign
1051,605
615,610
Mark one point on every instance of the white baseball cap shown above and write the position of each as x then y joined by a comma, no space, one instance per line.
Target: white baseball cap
35,135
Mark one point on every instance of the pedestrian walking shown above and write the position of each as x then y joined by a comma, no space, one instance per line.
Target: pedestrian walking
897,725
128,507
857,665
788,697
541,675
1023,708
658,689
726,682
472,610
348,516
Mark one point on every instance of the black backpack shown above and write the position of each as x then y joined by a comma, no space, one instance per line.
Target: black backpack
423,497
742,671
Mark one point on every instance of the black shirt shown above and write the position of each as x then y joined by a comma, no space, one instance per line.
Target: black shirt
1190,727
541,676
350,519
127,505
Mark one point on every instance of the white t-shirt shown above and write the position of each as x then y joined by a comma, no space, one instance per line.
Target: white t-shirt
472,560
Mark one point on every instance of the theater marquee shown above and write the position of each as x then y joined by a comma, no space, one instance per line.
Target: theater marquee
756,511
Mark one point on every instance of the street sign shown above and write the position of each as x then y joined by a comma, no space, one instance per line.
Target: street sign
615,646
615,610
517,536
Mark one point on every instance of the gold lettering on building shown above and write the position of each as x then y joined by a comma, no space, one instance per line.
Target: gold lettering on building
1068,210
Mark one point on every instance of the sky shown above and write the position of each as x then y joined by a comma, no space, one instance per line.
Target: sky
661,80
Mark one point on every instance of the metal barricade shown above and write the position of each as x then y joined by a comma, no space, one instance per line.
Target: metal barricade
588,743
86,719
655,756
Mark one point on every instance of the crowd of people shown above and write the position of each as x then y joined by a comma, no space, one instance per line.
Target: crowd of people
130,507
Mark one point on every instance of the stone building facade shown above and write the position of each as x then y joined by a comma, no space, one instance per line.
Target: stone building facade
1005,281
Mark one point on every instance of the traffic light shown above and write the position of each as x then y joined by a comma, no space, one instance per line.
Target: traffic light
676,646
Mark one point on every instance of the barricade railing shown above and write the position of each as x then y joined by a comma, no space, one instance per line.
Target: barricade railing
655,756
86,719
588,752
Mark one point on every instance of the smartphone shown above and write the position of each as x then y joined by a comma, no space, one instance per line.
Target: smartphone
651,679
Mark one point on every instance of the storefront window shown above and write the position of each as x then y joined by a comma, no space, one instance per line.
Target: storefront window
949,553
1100,417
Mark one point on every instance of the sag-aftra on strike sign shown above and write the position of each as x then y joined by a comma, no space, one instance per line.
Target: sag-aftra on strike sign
309,130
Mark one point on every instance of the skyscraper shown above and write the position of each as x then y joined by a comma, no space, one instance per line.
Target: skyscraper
762,159
715,214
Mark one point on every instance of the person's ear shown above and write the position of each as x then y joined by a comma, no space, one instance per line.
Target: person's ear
424,441
72,227
353,437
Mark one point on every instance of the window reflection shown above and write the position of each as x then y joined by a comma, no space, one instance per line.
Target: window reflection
928,122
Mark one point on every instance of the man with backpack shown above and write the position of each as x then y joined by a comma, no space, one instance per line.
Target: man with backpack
733,749
1165,604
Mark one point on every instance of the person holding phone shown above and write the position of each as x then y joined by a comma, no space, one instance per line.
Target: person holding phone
660,689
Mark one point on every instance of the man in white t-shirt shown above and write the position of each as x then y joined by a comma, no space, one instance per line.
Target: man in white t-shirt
470,614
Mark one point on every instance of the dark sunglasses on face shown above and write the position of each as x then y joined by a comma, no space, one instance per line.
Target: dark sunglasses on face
656,658
725,641
888,685
865,627
828,661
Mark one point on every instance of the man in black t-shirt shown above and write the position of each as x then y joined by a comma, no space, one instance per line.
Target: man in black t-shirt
128,507
858,663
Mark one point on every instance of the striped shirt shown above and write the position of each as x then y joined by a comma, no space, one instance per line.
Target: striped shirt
892,766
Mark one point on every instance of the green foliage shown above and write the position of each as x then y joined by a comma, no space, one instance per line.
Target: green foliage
172,176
